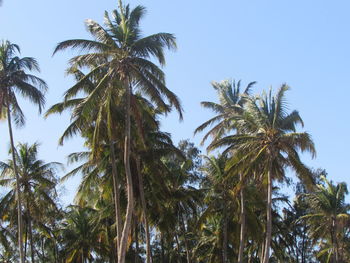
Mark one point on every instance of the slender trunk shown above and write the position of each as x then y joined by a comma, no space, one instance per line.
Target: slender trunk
30,235
262,252
269,219
144,212
129,185
25,241
225,234
116,191
18,192
242,219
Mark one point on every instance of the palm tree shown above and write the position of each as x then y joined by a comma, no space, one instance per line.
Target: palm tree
268,143
14,78
97,126
209,248
80,235
327,216
217,198
37,185
124,53
231,102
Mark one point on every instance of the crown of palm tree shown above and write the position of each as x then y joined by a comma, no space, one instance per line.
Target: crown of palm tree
268,137
14,78
120,53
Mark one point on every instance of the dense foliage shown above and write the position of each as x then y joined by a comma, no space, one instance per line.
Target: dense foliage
143,199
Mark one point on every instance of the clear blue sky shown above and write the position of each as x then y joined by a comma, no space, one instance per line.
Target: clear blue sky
302,43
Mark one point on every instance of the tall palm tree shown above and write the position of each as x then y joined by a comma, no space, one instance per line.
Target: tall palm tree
97,125
102,126
124,53
231,103
268,143
327,216
37,185
14,78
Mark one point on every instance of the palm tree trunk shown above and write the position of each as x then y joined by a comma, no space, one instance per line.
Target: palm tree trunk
225,234
129,185
269,219
144,212
242,234
30,234
262,252
25,240
116,192
18,193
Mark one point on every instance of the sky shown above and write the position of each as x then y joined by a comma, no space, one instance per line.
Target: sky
302,43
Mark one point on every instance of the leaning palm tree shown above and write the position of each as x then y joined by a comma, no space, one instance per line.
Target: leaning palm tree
124,55
37,185
14,78
267,144
328,216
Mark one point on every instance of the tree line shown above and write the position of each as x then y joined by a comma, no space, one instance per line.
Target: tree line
142,198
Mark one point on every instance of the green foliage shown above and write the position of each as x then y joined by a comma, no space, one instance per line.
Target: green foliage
183,206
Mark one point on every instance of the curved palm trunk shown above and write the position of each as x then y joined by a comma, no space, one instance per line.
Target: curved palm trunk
130,194
242,219
118,217
144,212
269,219
18,193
